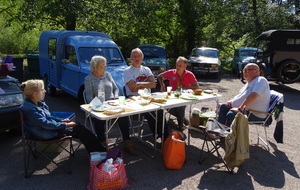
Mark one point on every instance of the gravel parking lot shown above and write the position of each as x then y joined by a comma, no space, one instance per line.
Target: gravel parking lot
274,169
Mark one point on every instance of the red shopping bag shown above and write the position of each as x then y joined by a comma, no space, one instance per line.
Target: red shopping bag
101,180
174,150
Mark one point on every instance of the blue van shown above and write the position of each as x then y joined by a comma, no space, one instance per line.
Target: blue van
64,58
242,55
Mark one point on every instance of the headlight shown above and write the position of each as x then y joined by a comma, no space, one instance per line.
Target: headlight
189,64
162,68
214,65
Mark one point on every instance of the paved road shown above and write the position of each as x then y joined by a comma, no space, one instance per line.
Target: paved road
277,169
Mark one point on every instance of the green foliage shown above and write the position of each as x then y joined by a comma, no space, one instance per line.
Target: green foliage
14,41
179,25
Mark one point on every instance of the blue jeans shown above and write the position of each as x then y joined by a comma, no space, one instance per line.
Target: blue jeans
226,116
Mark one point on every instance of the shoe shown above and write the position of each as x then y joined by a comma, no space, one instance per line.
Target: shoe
128,146
181,127
186,121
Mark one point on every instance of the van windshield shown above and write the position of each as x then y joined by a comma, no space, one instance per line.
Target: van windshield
112,55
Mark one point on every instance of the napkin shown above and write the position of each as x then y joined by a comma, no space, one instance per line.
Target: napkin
95,102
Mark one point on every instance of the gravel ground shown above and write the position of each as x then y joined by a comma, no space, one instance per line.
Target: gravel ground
274,169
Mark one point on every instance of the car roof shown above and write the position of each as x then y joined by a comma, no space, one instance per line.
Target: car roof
274,33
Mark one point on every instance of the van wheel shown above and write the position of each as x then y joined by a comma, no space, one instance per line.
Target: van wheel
289,72
51,90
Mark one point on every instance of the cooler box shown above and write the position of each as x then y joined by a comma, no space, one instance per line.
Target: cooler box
205,116
201,119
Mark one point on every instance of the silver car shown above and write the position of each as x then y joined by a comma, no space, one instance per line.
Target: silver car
204,60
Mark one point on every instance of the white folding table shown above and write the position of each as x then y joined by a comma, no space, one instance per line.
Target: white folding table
129,111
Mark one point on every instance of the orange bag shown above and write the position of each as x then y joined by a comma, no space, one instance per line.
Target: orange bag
174,150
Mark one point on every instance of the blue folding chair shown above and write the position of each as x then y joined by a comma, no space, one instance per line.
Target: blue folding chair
275,98
33,149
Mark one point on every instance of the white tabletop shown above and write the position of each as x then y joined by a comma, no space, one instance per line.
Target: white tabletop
129,110
173,102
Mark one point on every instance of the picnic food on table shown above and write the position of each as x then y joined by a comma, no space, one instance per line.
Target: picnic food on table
158,100
112,103
197,91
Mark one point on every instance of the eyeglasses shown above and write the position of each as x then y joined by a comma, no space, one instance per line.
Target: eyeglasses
247,70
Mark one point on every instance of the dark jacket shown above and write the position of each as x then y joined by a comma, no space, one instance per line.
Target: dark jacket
39,123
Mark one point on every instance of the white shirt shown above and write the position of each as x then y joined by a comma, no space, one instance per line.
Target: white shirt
138,75
260,86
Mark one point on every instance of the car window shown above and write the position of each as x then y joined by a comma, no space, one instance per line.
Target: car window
211,53
198,52
52,48
153,52
71,55
247,53
205,52
10,94
9,87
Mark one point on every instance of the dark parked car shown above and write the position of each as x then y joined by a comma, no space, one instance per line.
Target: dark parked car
241,56
281,55
11,98
155,58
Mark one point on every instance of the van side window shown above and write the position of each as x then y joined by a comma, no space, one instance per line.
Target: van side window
52,48
71,55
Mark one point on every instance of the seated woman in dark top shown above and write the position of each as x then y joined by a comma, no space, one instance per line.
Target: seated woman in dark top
39,124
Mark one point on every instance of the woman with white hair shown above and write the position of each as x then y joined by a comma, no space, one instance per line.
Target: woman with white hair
93,82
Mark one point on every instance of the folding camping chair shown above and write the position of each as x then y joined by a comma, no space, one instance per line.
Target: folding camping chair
46,148
275,98
236,139
214,135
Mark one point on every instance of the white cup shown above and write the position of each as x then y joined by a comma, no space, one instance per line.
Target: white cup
121,100
215,92
169,90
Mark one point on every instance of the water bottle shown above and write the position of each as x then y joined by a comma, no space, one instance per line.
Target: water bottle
101,91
